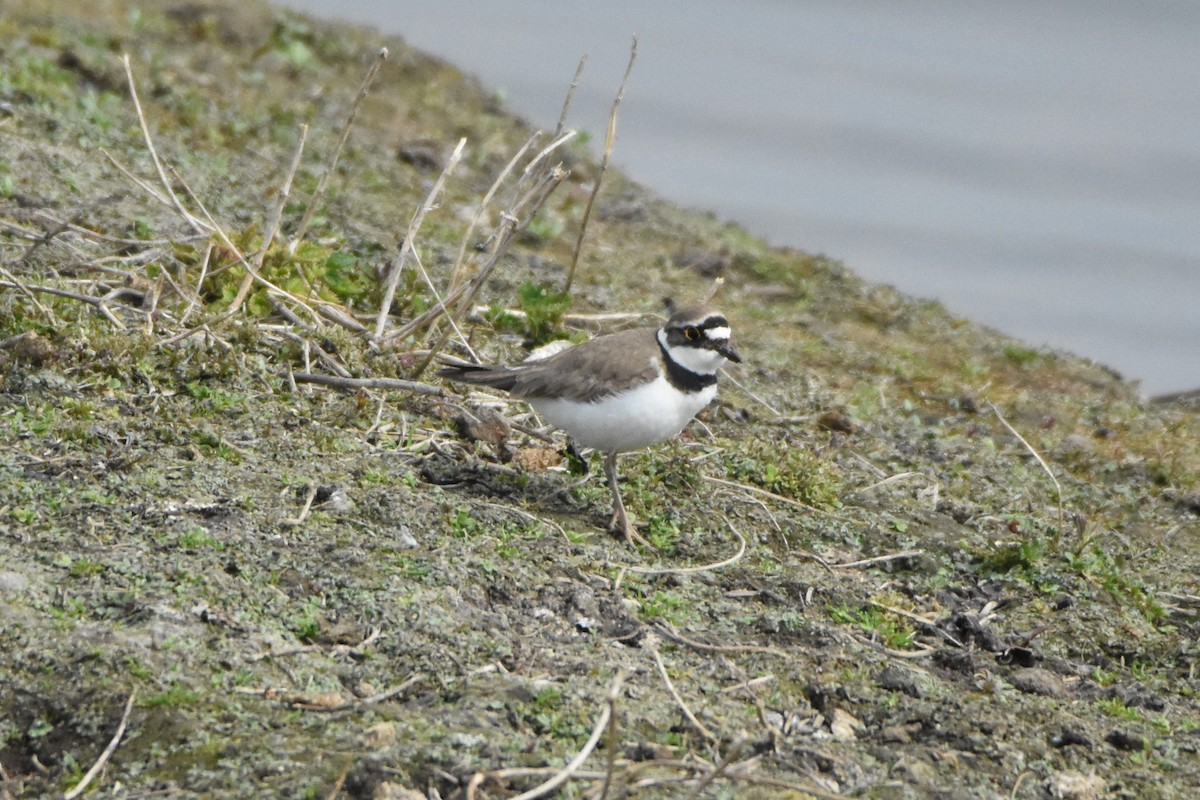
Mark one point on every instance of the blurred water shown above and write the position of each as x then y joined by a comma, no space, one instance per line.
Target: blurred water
1034,166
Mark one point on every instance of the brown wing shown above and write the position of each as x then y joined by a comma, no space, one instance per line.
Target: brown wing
586,372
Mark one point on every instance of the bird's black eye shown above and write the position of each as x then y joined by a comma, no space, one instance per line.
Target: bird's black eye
692,333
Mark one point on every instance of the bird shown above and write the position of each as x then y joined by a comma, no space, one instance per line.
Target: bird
621,391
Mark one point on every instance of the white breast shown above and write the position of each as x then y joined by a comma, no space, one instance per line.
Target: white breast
638,418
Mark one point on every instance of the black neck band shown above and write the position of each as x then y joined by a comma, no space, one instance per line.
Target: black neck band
683,378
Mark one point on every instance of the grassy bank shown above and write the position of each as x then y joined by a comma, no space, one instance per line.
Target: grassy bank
903,557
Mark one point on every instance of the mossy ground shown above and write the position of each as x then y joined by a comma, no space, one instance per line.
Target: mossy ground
153,532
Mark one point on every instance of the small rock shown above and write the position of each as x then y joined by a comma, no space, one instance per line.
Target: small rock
1190,503
12,582
955,660
1070,736
424,154
1137,697
339,501
902,679
1035,680
1125,741
486,425
1071,785
835,421
404,538
394,791
706,263
31,348
380,736
842,726
1074,444
913,770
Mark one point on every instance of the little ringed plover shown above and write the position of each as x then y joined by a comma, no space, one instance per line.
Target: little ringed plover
622,391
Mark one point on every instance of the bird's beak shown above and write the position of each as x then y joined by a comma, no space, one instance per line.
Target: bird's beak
726,349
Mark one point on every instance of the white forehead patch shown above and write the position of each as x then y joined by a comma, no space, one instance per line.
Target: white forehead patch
718,334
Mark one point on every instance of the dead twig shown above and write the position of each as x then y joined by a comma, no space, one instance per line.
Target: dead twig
877,559
609,140
272,223
510,226
388,694
692,570
318,192
238,254
747,685
1046,467
700,727
96,302
668,631
776,497
398,384
17,284
456,276
917,618
341,781
562,775
410,237
90,775
308,501
728,761
158,165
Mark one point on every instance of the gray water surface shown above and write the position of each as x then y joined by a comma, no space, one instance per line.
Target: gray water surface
1034,166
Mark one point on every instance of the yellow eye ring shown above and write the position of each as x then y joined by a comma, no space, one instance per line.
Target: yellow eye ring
691,333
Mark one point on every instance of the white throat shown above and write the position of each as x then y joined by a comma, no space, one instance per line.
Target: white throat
699,360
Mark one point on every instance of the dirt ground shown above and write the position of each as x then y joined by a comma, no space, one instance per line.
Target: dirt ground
902,557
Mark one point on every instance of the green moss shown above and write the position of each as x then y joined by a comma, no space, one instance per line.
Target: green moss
791,472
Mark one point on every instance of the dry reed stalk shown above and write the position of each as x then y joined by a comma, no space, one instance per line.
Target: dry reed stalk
318,192
397,265
609,140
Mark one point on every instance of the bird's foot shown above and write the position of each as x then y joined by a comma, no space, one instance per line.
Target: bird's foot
620,524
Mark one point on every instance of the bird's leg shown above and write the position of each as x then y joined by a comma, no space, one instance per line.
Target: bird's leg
620,521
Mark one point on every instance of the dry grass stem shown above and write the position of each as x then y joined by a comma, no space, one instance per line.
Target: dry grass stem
741,387
340,782
753,683
91,774
613,727
510,226
397,384
668,631
272,222
410,238
700,727
96,302
1062,524
293,522
14,283
456,276
917,618
726,764
388,694
609,141
877,559
318,193
239,255
902,476
158,165
575,763
776,497
566,106
693,570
